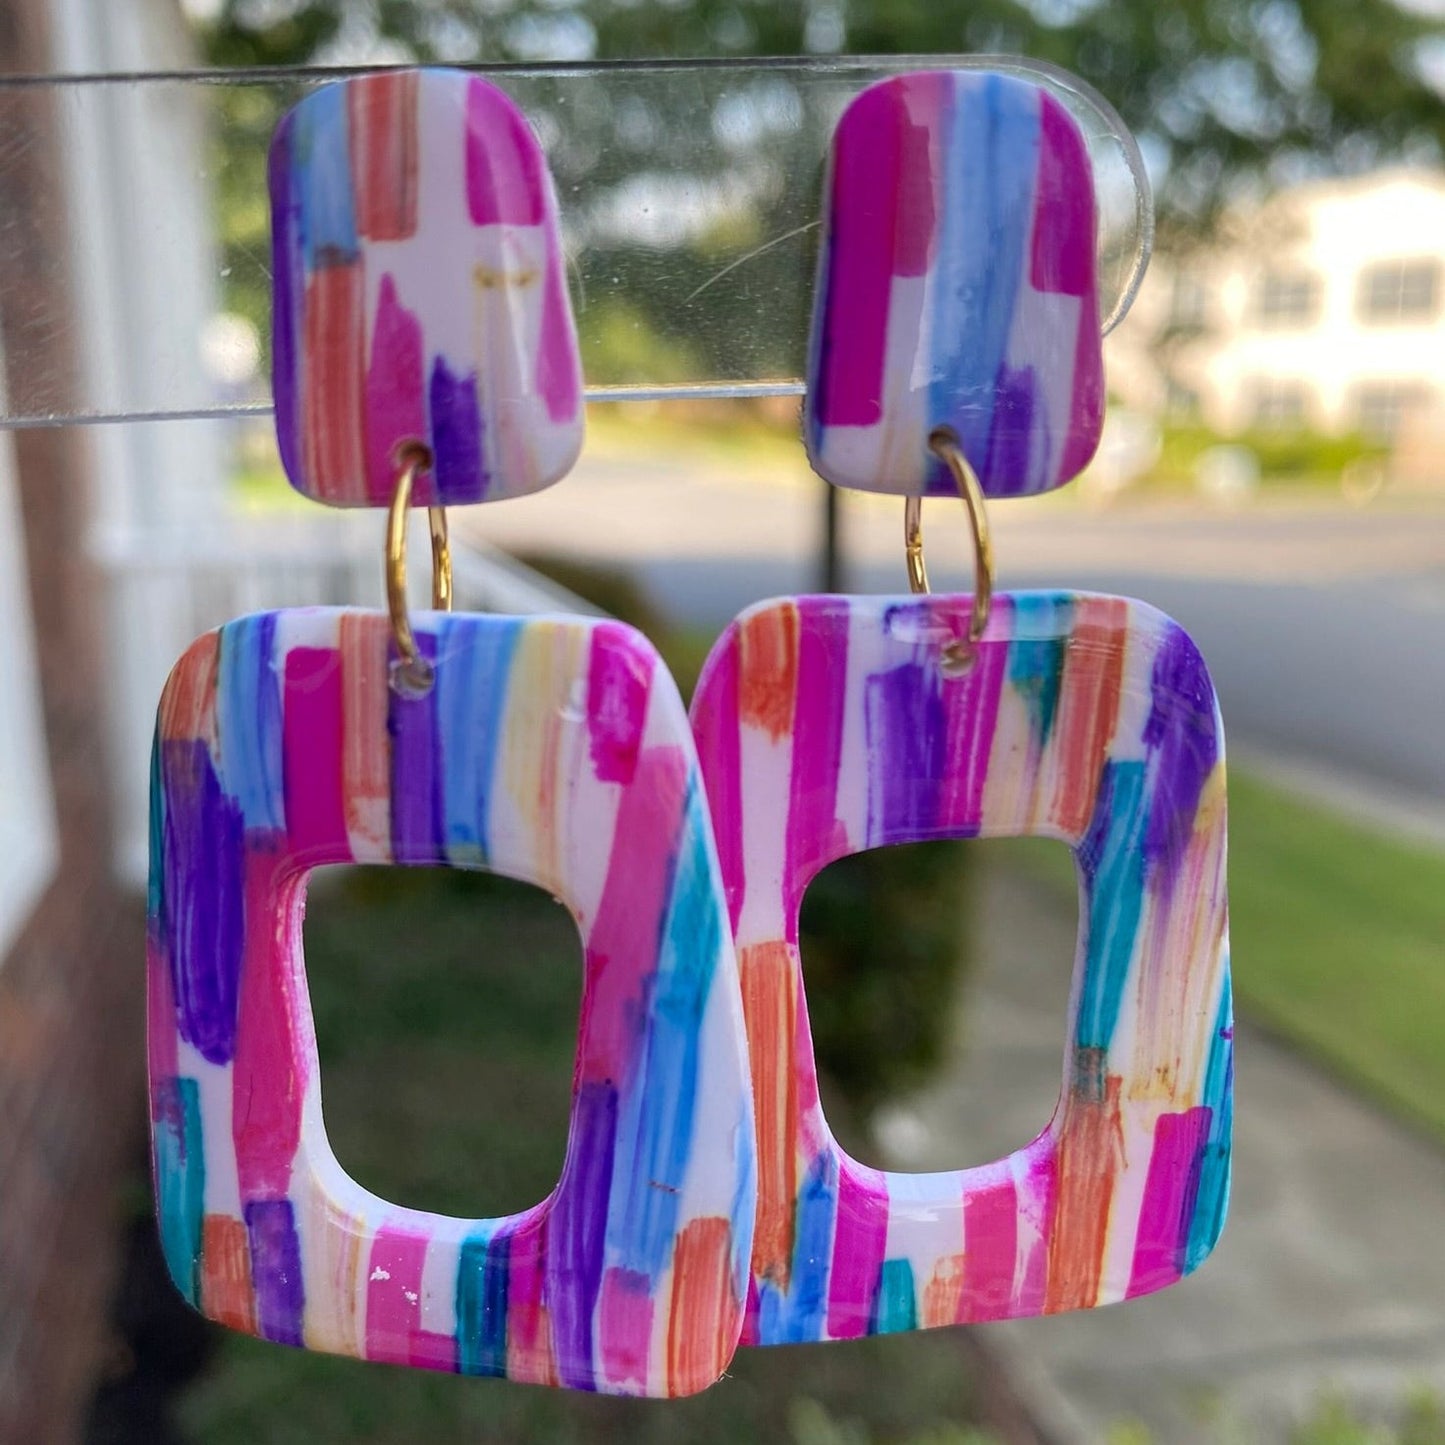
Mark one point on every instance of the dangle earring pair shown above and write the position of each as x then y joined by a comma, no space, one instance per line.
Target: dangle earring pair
424,353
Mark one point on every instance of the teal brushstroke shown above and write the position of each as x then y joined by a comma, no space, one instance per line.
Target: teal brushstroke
1212,1201
896,1308
1112,859
1043,622
180,1166
483,1271
156,875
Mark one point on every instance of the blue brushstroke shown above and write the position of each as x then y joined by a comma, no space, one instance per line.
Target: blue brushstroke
483,1269
800,1315
474,663
745,1197
1112,859
321,155
248,708
1211,1202
986,207
895,1308
655,1127
180,1166
1043,622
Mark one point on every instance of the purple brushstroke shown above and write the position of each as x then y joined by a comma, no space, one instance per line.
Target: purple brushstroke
285,283
1180,735
418,829
456,435
276,1270
577,1231
1011,432
204,898
906,731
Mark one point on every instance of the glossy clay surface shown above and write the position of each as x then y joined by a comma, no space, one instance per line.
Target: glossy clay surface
555,751
419,293
957,287
824,727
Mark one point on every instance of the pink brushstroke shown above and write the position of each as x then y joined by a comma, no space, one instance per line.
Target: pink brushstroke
505,181
393,1294
314,719
621,947
395,390
1168,1200
625,1328
860,1237
619,681
990,1250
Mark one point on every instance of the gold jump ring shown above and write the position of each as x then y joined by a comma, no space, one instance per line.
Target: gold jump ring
410,458
943,443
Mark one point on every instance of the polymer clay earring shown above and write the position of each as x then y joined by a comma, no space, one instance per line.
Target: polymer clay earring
956,348
425,352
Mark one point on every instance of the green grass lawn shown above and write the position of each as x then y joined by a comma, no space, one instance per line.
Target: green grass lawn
446,1010
1337,934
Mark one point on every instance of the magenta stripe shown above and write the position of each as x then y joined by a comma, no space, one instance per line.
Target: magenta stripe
393,1294
621,948
313,724
815,834
717,733
862,211
971,705
1062,250
1168,1200
619,680
395,390
504,164
990,1251
559,378
1038,1197
860,1238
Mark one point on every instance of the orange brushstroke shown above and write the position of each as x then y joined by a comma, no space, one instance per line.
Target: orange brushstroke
1090,1145
188,703
366,746
226,1294
769,1011
1088,709
943,1294
382,114
705,1317
768,670
334,365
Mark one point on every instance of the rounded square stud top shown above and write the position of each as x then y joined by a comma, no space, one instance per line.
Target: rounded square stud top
957,288
419,294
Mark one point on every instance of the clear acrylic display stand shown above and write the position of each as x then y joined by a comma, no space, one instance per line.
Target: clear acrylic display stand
689,194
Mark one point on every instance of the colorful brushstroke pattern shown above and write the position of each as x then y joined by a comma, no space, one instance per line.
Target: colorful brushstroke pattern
957,288
826,726
552,750
419,293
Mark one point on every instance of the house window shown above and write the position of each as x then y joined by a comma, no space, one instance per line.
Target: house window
1395,293
1287,300
1281,405
1382,406
28,846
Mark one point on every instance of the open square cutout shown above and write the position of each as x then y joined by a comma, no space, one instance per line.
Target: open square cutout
552,750
825,726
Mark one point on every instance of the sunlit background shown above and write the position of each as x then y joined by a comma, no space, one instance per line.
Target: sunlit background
1272,474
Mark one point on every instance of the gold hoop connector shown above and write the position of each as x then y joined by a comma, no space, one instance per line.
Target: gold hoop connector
413,672
943,443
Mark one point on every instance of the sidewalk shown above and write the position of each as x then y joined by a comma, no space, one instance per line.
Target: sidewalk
1330,1275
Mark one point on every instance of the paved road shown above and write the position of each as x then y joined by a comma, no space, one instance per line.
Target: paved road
1329,1277
1324,626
